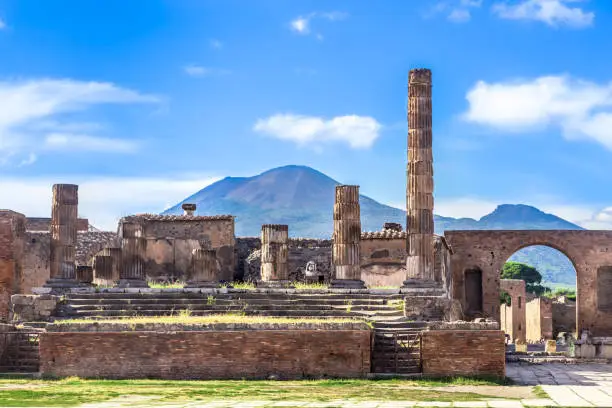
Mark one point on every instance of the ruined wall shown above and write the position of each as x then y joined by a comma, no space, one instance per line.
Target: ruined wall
250,354
489,250
383,259
37,261
301,251
539,320
563,317
516,327
12,236
40,224
505,319
449,353
171,240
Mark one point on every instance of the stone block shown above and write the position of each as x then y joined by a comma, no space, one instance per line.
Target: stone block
551,346
520,347
585,351
28,308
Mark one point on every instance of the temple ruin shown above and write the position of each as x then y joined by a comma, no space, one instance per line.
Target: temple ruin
431,300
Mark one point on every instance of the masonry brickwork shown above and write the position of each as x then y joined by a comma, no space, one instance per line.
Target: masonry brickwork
286,354
449,353
514,324
539,320
12,246
489,250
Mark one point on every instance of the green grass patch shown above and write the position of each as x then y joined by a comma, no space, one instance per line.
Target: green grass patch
540,393
73,391
166,285
228,318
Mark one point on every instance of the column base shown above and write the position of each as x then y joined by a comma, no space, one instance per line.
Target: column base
420,283
273,284
203,285
132,283
347,284
60,286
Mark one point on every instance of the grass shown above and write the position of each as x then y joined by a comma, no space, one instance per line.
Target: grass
540,393
185,317
166,285
73,391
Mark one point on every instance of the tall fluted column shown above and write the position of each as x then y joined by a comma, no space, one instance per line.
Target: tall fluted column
64,214
103,268
346,238
274,255
419,194
204,270
133,245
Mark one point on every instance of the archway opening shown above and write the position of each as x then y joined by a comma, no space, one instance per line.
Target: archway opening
473,291
544,307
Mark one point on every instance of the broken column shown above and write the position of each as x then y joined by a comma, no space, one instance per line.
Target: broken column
64,214
346,239
133,246
204,270
419,192
274,255
104,270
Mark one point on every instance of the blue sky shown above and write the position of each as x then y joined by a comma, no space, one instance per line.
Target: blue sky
144,102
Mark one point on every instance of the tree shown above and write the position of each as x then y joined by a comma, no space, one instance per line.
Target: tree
531,276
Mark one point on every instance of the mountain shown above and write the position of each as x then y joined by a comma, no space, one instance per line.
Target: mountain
303,198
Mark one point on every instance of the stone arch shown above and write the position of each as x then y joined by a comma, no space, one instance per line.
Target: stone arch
587,250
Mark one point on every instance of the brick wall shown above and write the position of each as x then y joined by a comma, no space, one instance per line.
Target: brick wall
247,354
463,352
539,320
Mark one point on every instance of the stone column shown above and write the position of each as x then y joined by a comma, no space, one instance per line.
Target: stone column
133,246
346,239
274,255
204,270
419,193
64,214
103,270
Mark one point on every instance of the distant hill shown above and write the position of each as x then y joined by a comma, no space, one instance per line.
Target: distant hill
303,198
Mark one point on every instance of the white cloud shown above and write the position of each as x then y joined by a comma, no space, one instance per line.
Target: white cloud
302,24
552,12
31,110
581,109
463,207
196,70
357,131
102,200
31,159
457,11
216,44
69,141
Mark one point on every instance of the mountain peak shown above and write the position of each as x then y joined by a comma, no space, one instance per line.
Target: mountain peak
525,217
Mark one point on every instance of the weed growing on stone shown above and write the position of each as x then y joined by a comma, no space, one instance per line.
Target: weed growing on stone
166,285
210,300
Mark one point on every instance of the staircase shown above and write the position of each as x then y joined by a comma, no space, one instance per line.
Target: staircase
116,305
396,347
22,353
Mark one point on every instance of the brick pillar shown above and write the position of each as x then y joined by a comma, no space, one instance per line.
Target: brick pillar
204,270
346,239
103,270
274,255
419,192
84,274
7,268
115,254
64,214
133,246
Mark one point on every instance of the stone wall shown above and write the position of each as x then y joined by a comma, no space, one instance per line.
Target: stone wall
12,236
489,250
448,353
40,224
563,317
383,260
301,251
250,354
539,320
515,326
33,308
171,239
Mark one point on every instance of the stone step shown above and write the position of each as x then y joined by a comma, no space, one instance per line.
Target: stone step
235,295
224,301
190,306
287,313
402,324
